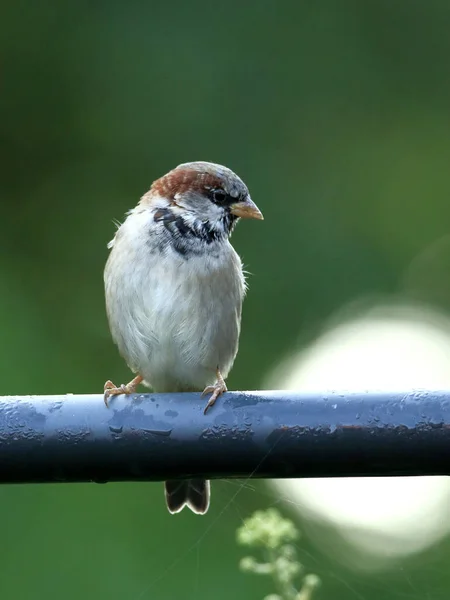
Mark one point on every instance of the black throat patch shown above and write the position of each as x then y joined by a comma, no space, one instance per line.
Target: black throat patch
193,237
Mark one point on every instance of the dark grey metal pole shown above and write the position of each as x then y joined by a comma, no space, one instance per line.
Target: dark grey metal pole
153,437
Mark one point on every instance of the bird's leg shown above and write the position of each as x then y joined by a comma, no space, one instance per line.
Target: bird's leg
218,388
111,390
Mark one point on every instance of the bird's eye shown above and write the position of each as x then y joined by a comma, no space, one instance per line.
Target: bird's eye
220,197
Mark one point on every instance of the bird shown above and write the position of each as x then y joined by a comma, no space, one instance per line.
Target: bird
174,287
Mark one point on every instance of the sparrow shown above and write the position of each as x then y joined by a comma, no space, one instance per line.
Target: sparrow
174,287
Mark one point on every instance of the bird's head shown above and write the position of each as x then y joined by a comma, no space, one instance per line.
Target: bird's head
203,197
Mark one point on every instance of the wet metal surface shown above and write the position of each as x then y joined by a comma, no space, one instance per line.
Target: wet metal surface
263,434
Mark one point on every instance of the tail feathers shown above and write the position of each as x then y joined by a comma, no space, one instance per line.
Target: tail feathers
193,493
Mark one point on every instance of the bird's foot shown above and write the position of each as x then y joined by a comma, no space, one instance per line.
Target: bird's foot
111,390
215,390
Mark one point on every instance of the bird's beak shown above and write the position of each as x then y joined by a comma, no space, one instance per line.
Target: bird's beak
246,209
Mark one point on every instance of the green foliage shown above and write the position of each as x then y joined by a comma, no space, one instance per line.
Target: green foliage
269,532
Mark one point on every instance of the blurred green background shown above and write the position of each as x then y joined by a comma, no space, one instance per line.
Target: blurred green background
336,115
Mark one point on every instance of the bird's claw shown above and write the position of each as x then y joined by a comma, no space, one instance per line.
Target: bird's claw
215,390
110,389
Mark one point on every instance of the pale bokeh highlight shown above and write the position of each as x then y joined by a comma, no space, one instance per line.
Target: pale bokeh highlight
392,348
